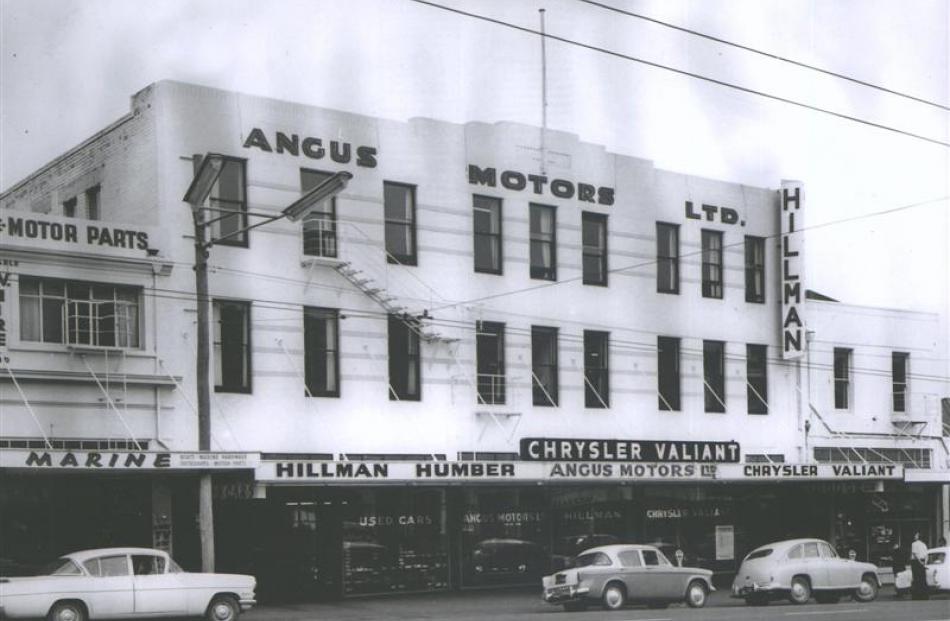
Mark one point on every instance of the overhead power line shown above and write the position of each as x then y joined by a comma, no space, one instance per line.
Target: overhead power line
766,54
683,72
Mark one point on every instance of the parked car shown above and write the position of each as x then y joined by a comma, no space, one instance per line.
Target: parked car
799,568
123,582
615,575
567,548
938,570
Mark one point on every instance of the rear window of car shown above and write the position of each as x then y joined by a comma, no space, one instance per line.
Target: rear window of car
936,558
60,567
811,550
595,558
759,554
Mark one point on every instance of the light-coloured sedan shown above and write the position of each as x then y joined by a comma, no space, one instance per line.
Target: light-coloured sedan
800,568
938,569
617,574
113,583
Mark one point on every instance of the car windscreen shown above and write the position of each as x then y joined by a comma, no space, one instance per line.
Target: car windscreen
936,558
59,567
759,554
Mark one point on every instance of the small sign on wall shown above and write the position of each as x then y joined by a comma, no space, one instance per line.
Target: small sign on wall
725,543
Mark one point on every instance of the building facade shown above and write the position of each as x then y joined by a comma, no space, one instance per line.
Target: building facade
488,352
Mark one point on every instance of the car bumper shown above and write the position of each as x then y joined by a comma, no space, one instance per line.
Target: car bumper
747,590
247,604
566,593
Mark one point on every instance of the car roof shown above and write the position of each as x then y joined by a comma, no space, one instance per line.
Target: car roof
787,543
84,555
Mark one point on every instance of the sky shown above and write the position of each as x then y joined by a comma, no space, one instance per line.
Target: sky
68,69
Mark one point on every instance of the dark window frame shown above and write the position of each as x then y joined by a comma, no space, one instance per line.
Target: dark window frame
596,376
70,207
714,376
391,257
536,239
327,240
219,206
495,239
754,269
490,372
757,381
712,264
665,262
313,351
841,375
900,364
404,365
93,197
668,380
223,348
544,395
599,255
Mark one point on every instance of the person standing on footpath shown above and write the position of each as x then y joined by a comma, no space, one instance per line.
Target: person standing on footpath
898,565
918,558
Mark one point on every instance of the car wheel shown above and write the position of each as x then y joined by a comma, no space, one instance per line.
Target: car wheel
223,608
696,594
867,590
575,606
615,596
67,611
827,598
800,592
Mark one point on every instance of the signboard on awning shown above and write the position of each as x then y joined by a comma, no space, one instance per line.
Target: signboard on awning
126,461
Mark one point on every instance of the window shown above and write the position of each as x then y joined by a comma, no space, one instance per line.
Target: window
228,203
653,558
487,227
594,558
899,380
400,207
147,564
79,313
490,353
795,552
714,375
629,558
842,378
543,233
596,376
757,386
667,258
826,550
69,207
232,346
319,226
594,240
544,365
108,566
404,368
810,549
92,203
321,351
668,373
754,269
712,264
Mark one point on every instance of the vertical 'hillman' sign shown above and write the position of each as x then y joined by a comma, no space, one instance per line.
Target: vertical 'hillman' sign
793,290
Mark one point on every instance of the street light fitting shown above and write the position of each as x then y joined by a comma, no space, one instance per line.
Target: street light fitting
334,184
207,175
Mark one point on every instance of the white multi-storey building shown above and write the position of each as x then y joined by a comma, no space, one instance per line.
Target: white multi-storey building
488,351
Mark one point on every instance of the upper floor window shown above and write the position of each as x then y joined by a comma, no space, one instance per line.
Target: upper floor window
400,206
543,233
667,258
79,313
228,203
544,365
404,361
487,227
596,370
88,207
712,264
714,376
594,240
899,362
668,372
69,207
92,203
321,351
842,378
490,354
757,386
319,226
754,269
232,346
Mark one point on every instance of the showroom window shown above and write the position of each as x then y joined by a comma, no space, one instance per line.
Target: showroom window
842,377
594,241
404,361
544,366
754,269
543,242
79,313
668,373
714,376
667,258
712,263
400,207
490,352
321,351
319,226
596,373
232,346
487,227
757,386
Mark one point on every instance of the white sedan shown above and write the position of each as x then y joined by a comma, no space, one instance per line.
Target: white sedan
114,583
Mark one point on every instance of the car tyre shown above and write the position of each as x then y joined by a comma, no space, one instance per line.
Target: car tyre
867,590
615,596
800,592
223,608
575,606
696,594
66,611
